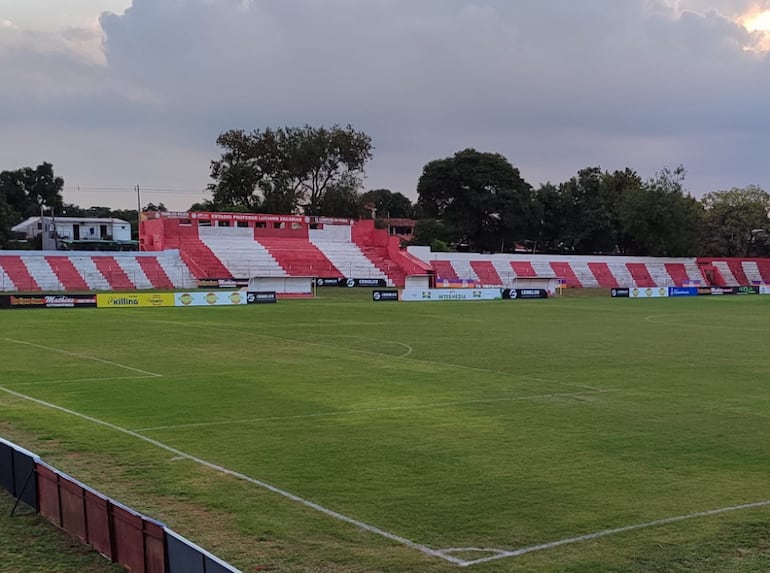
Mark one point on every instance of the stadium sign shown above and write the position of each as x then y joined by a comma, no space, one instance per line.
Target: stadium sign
525,293
134,300
48,301
385,295
443,294
261,297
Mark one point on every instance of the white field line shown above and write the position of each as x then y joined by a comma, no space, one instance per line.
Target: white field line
501,554
307,503
77,380
372,353
83,356
372,410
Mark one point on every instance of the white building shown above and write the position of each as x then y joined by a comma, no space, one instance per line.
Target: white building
55,229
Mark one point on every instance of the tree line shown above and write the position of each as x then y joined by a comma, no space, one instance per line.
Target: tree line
475,201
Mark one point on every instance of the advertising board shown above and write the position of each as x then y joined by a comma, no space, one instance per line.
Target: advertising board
682,291
134,300
223,283
649,292
17,301
747,290
261,297
421,295
385,295
620,293
219,298
351,283
524,293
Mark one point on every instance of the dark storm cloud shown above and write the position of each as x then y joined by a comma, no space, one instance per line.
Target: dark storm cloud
554,85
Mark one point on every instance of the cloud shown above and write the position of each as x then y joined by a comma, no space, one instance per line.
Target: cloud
553,85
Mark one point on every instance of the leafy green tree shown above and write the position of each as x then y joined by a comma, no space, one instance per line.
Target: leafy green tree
279,170
24,192
428,232
207,206
660,219
238,172
590,199
736,222
342,200
388,204
479,197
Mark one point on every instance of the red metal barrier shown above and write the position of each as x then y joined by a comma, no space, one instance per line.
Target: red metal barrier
119,533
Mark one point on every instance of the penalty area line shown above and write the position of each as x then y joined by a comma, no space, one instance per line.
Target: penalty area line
84,357
503,554
262,484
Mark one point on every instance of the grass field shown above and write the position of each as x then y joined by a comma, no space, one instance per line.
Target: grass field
573,434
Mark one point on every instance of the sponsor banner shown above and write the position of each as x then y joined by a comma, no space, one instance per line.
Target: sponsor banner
682,291
366,283
620,293
134,300
220,298
48,301
350,283
517,293
416,294
744,290
764,289
716,291
262,218
261,297
649,292
223,283
384,295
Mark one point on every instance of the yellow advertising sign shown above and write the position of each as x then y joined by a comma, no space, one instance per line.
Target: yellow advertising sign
134,300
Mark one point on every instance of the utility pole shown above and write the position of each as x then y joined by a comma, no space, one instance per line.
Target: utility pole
138,211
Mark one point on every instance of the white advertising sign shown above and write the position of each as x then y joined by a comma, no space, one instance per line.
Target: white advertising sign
648,292
417,295
213,298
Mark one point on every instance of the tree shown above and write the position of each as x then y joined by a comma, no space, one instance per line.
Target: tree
590,202
25,192
736,222
386,203
341,200
660,219
279,170
479,197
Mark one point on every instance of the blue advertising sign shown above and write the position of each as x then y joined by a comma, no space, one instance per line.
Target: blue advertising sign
682,291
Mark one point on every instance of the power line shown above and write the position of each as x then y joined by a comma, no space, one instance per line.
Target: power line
161,190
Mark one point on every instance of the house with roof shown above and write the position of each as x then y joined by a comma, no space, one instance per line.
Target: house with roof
72,232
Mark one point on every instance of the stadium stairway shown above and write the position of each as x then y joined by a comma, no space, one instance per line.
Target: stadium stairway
156,275
347,257
200,257
69,277
299,257
113,272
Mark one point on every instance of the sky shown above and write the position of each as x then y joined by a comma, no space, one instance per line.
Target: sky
119,93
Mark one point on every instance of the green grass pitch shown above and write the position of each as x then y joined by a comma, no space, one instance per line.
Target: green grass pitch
336,434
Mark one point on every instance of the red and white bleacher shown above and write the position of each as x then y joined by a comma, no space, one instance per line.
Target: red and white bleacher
54,271
574,271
